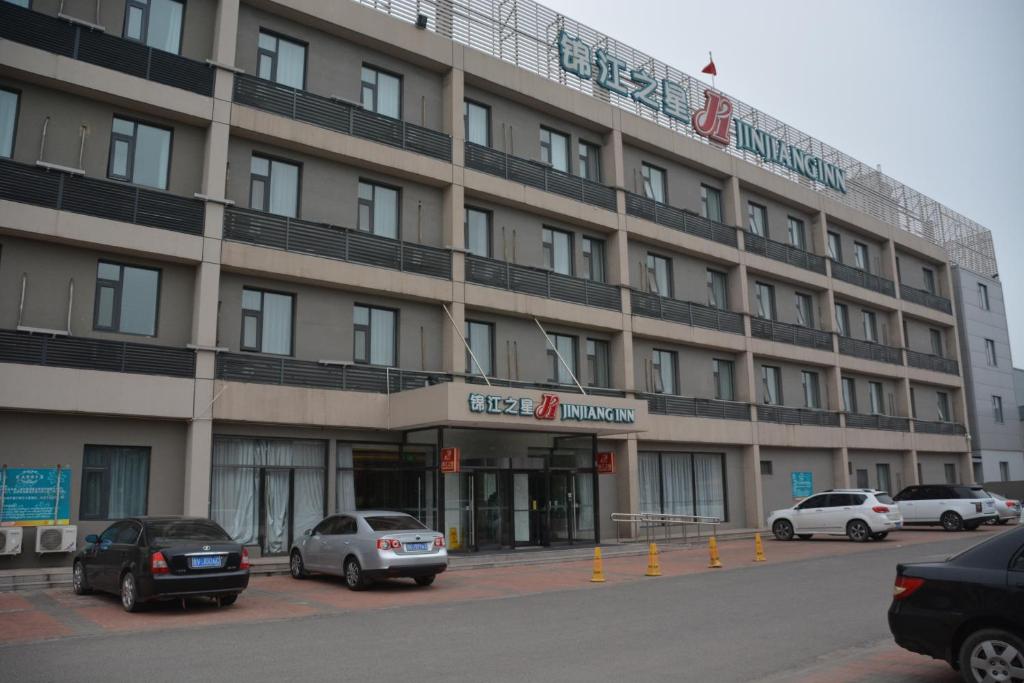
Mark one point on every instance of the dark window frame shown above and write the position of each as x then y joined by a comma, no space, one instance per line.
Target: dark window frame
931,285
723,459
710,275
801,230
466,102
858,247
471,368
368,335
706,192
261,51
17,117
118,287
587,248
811,379
716,373
106,485
248,312
983,301
550,149
490,228
548,249
779,398
594,360
838,244
591,161
774,311
369,203
129,178
809,298
851,405
145,8
645,176
650,266
554,364
673,357
267,182
842,313
753,208
373,87
997,409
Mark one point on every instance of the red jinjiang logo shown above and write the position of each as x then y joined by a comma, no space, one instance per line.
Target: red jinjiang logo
548,408
715,118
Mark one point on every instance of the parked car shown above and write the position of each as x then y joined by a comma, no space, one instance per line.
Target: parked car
966,610
954,506
1007,509
860,514
144,559
368,545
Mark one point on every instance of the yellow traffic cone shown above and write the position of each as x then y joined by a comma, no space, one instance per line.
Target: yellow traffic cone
653,568
758,549
453,539
598,576
713,548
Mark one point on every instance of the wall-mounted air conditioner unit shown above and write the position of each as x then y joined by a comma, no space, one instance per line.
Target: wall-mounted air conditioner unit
56,539
10,540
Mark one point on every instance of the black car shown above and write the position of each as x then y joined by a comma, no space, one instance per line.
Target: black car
967,610
144,559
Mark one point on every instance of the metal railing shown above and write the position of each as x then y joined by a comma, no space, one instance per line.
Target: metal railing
86,353
665,404
870,350
924,298
546,386
101,198
330,241
661,307
885,422
928,361
862,278
937,427
261,369
541,176
790,334
80,42
797,416
680,219
648,524
785,253
541,282
340,116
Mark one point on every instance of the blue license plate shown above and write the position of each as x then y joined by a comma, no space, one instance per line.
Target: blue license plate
205,562
416,546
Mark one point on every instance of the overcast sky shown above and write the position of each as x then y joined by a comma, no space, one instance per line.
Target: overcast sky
931,90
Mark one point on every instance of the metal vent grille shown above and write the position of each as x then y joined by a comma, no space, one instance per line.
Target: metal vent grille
50,539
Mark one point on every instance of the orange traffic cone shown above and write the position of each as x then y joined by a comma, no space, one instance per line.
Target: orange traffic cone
758,549
653,568
598,575
713,549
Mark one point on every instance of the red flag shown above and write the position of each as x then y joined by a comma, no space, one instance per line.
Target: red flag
710,69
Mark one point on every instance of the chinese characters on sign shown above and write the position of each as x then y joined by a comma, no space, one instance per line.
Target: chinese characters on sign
803,484
451,460
606,463
35,496
550,407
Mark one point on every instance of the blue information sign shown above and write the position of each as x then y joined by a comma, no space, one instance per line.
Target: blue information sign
33,496
803,484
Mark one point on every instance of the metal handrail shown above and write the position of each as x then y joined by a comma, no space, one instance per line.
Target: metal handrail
650,521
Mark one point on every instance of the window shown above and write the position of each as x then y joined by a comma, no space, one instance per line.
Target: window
849,395
771,385
757,219
554,149
950,471
274,186
598,374
115,482
478,232
835,246
711,203
764,295
593,259
375,335
27,4
156,23
8,120
590,161
281,60
557,250
920,479
126,299
1004,471
929,280
382,92
842,320
870,326
983,296
682,483
659,275
936,339
906,334
997,408
267,321
812,394
913,403
990,352
480,339
722,371
875,398
860,256
566,347
899,271
942,404
139,153
797,237
766,467
718,296
655,183
884,477
663,369
478,122
378,209
804,310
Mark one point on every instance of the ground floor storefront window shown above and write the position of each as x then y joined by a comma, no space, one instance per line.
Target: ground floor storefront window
398,477
683,483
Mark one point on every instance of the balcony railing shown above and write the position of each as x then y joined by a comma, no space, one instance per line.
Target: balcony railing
546,386
541,282
664,404
886,422
95,354
541,176
797,416
786,253
862,278
329,241
927,361
790,334
920,296
340,116
242,367
870,350
933,427
680,219
685,312
102,49
101,198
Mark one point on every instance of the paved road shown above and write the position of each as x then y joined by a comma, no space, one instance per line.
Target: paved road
816,613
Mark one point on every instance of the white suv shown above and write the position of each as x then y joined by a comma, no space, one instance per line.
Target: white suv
860,514
954,506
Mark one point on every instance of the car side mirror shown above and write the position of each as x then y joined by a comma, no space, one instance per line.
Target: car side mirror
307,532
92,538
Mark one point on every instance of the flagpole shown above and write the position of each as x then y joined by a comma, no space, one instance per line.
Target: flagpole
711,59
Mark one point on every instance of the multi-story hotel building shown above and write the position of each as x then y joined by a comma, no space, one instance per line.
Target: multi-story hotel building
265,260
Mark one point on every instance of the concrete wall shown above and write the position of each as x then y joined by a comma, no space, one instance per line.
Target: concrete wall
683,182
869,460
932,467
778,217
689,274
777,488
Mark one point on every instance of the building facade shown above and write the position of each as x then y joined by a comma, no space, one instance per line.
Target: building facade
264,261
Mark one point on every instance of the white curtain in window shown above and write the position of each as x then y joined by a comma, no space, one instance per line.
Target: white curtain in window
650,483
309,500
129,481
275,512
346,493
561,247
152,154
291,63
165,25
710,485
476,118
284,189
480,344
567,349
585,500
382,337
233,495
385,212
8,110
277,323
389,95
677,483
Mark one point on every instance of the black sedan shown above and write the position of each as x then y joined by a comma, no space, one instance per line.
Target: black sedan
144,559
967,610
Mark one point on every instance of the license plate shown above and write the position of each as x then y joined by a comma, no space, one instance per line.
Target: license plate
205,562
899,525
416,546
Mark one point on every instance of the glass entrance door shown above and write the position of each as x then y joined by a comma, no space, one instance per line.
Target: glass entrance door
490,508
561,507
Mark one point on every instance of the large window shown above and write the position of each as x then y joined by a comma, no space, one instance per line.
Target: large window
659,275
557,248
711,203
554,149
115,482
983,296
598,370
835,246
139,153
281,60
997,408
928,277
477,118
722,372
718,293
663,371
387,477
156,23
913,403
936,340
593,259
757,219
875,398
8,121
1004,470
375,335
267,321
860,256
949,469
566,347
126,299
382,92
274,186
764,296
378,209
655,182
480,338
990,352
771,385
812,392
884,477
870,326
842,320
478,232
590,161
795,229
804,310
849,395
683,484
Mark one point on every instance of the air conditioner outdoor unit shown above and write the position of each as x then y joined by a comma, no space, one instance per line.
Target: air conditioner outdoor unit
56,539
10,540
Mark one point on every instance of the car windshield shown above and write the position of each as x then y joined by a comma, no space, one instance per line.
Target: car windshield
394,523
884,498
186,529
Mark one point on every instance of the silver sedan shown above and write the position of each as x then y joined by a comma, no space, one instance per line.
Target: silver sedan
367,545
1009,510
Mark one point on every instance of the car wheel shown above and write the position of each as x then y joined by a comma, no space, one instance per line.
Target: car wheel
227,600
993,522
78,580
297,567
951,521
992,655
783,530
880,536
129,593
858,531
1001,522
972,526
425,580
804,537
354,578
